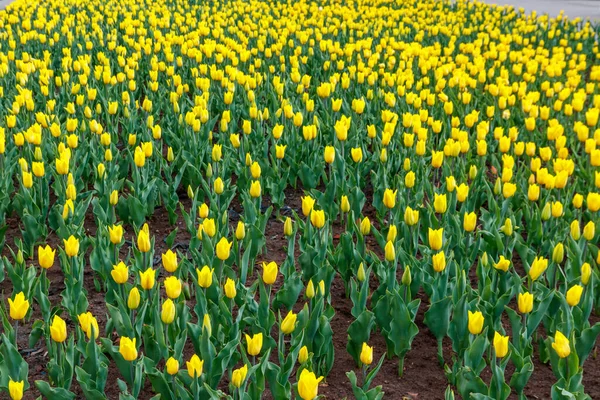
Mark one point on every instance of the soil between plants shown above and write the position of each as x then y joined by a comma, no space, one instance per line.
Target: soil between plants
423,377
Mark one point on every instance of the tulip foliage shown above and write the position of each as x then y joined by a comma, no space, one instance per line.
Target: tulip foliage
429,158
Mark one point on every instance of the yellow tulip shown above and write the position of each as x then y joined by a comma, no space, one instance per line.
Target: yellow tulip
205,277
308,385
439,262
15,389
172,287
439,203
475,322
389,198
46,256
238,376
329,154
209,227
147,278
366,354
503,264
270,272
589,231
218,185
89,324
317,218
143,241
71,246
120,273
127,348
289,323
469,221
255,189
254,344
558,253
586,273
133,299
169,261
500,345
167,314
411,217
538,267
356,154
310,290
172,366
561,345
115,233
365,226
58,329
18,307
390,251
435,237
223,249
287,227
574,295
303,355
229,288
240,231
307,205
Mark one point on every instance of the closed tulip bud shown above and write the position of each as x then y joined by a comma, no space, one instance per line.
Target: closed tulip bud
190,192
406,276
546,212
209,171
435,237
329,154
558,253
366,354
218,186
217,152
127,348
383,155
469,221
172,366
472,172
238,376
574,295
392,233
206,324
557,209
439,262
365,226
15,389
500,345
203,210
254,344
317,218
205,276
143,239
120,273
561,345
255,170
307,205
503,264
167,314
240,231
169,261
280,151
229,288
71,246
589,231
223,249
18,307
409,179
450,183
439,203
114,198
46,256
475,322
133,300
308,385
411,217
538,267
255,189
525,302
270,271
288,324
170,155
287,227
360,275
575,230
195,366
344,204
147,279
27,180
390,251
310,290
586,273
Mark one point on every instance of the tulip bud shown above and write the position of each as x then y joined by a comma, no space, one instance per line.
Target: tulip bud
484,259
589,231
303,355
133,300
209,171
287,227
172,366
345,204
586,273
361,273
390,251
310,290
546,212
406,276
365,226
558,253
366,354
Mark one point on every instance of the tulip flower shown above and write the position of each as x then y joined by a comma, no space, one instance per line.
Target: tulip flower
365,226
219,186
308,385
303,355
390,251
46,256
120,273
356,154
439,203
18,307
270,272
58,329
209,227
229,288
89,324
366,354
169,261
317,218
389,198
133,299
439,261
143,240
586,273
411,217
239,376
172,366
223,249
589,231
307,205
475,322
287,227
537,268
500,345
115,233
558,253
254,343
503,264
167,314
127,348
525,302
574,295
435,237
288,324
469,221
240,231
71,246
329,154
172,287
561,345
205,276
147,278
15,389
